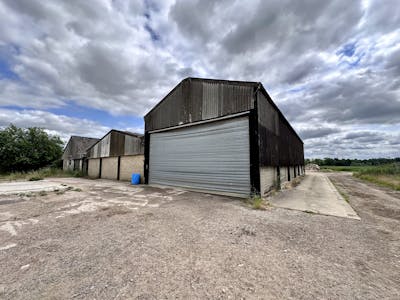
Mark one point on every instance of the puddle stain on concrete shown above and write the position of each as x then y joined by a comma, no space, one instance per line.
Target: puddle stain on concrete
9,246
12,226
125,197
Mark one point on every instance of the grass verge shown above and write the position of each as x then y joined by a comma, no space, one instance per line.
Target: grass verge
388,181
342,193
39,174
384,175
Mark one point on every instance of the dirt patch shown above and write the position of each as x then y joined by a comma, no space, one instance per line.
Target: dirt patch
145,243
112,211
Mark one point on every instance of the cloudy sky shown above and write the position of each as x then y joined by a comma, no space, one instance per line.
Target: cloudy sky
83,67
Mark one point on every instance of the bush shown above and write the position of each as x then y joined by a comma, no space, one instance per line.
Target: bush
28,149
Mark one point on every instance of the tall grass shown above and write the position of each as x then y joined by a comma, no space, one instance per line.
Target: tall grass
389,169
387,175
39,174
384,175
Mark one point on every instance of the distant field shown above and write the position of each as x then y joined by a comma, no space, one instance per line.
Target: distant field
384,175
345,168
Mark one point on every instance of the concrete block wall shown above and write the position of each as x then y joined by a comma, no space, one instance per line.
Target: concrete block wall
94,167
109,168
284,174
131,164
268,179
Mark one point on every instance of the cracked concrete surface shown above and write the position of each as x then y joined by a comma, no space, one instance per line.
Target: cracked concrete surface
315,194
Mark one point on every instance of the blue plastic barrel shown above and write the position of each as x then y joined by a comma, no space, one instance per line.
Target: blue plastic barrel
135,178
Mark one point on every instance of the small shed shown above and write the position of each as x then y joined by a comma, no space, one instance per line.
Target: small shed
116,156
220,136
75,152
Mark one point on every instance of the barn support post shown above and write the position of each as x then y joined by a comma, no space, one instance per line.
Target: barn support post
254,151
118,167
100,165
146,157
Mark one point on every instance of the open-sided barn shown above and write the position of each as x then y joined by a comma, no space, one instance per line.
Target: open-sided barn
220,136
116,156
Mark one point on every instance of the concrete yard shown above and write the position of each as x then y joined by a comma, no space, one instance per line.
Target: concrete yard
102,239
315,194
29,186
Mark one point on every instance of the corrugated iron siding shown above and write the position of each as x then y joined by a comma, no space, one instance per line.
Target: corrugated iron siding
196,100
279,145
133,145
268,132
117,144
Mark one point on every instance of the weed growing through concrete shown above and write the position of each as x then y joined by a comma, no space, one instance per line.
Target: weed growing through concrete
256,202
42,193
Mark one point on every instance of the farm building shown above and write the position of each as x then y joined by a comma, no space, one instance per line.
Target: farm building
75,152
116,156
220,136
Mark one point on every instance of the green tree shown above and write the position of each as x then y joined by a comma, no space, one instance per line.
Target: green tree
27,149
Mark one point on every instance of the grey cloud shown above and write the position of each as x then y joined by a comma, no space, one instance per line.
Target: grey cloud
383,16
190,17
302,69
365,136
317,132
99,54
294,25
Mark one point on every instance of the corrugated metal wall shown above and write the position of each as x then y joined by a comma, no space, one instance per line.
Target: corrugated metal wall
117,144
214,156
279,144
196,100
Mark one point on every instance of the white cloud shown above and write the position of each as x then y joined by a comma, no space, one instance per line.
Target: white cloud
124,56
62,126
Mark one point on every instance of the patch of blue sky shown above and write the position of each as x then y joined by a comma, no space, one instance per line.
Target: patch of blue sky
353,61
5,70
73,110
347,50
297,89
102,117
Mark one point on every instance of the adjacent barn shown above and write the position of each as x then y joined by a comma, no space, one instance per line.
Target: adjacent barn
117,156
220,136
75,152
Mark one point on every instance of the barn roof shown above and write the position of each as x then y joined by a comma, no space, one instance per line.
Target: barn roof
252,84
77,146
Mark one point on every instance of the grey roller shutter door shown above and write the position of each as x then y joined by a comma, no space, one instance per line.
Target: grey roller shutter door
212,157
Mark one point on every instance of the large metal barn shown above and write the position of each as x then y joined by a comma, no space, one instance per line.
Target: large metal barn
220,136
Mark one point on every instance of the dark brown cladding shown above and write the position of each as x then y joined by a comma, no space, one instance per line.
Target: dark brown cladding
279,143
196,99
